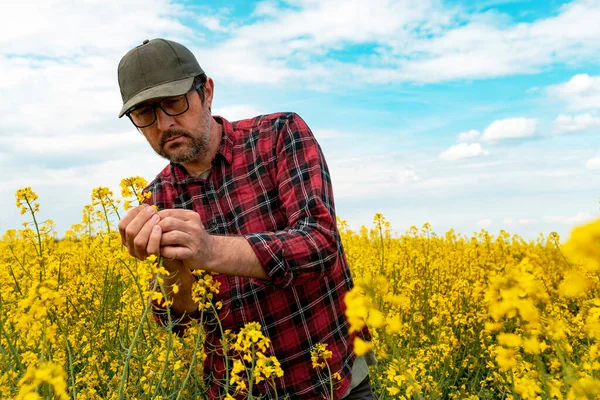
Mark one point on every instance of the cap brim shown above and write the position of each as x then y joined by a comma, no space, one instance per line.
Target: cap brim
175,88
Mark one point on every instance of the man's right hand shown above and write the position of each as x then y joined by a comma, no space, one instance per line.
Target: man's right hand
140,231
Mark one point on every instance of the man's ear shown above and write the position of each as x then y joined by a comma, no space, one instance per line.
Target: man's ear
209,91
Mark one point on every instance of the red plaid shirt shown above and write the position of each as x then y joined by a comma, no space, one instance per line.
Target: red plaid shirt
270,184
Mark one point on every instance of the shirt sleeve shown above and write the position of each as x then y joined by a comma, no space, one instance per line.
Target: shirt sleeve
309,248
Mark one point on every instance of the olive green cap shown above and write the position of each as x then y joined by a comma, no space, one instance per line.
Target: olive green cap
156,68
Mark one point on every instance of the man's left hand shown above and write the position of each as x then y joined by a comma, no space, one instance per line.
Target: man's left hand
184,238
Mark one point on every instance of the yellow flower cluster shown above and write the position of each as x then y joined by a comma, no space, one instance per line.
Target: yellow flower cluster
76,320
319,355
450,316
133,187
26,200
250,364
41,380
479,317
204,289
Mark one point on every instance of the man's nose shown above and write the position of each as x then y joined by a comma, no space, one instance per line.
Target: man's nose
164,121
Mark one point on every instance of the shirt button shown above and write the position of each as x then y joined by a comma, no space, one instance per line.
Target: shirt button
237,304
212,225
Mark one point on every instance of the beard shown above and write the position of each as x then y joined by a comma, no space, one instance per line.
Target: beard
195,147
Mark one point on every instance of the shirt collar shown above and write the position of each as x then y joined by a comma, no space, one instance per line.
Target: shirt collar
226,148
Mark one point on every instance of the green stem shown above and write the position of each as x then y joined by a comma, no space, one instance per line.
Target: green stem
43,352
21,264
135,337
135,194
71,371
136,280
105,295
15,279
39,237
37,228
189,373
275,388
330,380
115,209
251,377
12,348
107,221
224,343
169,344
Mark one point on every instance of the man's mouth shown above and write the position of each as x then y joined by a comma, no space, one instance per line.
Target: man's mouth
172,139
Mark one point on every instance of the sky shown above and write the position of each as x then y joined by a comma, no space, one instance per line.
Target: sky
467,115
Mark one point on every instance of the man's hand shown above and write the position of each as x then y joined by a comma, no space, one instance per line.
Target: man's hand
140,231
184,238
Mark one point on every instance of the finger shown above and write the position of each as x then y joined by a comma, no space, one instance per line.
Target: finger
126,220
134,227
140,242
175,252
178,213
175,238
154,240
168,224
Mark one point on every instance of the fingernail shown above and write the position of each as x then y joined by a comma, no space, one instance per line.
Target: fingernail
155,218
149,210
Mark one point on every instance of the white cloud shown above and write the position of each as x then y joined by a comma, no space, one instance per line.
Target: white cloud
526,221
581,92
266,8
519,221
370,176
484,222
59,61
213,23
462,150
510,128
322,134
557,172
236,112
593,163
469,136
568,123
483,47
424,41
579,218
62,29
72,143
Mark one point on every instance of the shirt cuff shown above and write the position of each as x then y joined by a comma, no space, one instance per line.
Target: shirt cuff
269,250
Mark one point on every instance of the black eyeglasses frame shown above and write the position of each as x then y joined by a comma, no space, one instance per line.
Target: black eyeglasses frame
195,87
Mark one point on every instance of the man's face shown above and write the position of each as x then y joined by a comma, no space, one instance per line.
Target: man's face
182,138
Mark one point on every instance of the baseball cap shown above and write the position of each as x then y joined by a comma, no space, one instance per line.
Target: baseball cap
156,68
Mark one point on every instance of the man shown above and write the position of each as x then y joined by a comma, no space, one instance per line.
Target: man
252,202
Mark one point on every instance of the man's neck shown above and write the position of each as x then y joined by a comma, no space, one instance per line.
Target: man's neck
197,167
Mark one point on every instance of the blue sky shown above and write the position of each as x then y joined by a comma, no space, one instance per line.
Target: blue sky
467,115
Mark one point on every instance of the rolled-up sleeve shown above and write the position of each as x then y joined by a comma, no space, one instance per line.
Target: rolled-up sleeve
308,249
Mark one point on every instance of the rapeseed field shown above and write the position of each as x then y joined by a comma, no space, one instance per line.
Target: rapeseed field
452,317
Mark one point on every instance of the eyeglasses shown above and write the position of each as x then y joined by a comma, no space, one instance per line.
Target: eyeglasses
145,115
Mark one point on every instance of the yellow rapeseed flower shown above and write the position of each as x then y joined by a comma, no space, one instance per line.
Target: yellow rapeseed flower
361,347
